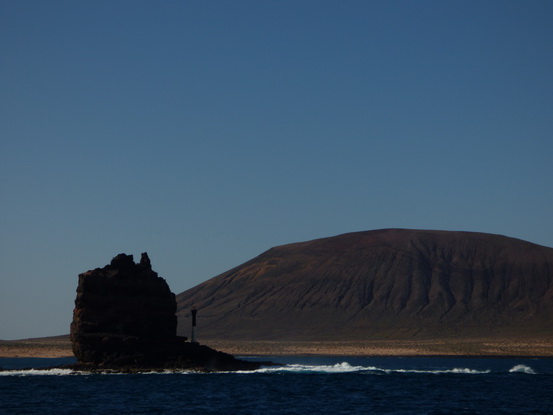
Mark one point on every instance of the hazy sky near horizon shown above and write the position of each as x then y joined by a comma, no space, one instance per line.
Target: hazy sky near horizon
205,132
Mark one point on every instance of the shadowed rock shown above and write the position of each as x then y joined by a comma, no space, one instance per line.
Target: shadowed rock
385,284
124,317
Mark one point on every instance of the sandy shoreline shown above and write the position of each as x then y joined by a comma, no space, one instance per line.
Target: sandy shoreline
41,347
61,347
457,347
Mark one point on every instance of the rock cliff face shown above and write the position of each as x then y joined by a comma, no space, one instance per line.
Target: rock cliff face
124,317
385,284
123,312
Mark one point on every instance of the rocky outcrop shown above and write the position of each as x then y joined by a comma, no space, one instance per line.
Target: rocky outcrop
385,284
124,317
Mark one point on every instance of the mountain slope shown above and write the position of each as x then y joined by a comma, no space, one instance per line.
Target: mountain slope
391,283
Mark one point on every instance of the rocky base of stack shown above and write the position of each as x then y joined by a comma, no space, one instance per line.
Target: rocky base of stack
191,356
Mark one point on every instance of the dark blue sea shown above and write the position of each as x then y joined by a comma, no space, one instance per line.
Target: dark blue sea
304,385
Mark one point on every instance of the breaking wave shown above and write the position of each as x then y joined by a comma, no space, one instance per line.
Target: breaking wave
38,372
522,369
345,367
66,372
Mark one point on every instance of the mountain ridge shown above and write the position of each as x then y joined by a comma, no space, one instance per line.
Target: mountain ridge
380,284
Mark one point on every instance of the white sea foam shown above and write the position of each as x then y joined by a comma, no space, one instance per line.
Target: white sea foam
38,372
468,371
345,367
522,369
464,371
65,372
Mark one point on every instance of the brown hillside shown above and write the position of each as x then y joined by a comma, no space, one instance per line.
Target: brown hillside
384,284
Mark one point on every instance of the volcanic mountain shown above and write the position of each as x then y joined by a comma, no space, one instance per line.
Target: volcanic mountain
382,284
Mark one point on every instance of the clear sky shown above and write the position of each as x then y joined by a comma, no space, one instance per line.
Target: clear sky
205,132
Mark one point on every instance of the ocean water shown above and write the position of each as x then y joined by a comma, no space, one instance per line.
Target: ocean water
303,385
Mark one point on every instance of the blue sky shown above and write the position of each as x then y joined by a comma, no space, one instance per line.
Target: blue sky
205,132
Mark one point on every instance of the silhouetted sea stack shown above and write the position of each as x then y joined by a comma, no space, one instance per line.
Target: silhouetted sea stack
383,284
124,319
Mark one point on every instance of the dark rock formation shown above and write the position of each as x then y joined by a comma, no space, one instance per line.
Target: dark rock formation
124,317
385,284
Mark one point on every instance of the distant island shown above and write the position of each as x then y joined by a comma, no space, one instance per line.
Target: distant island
402,286
393,292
